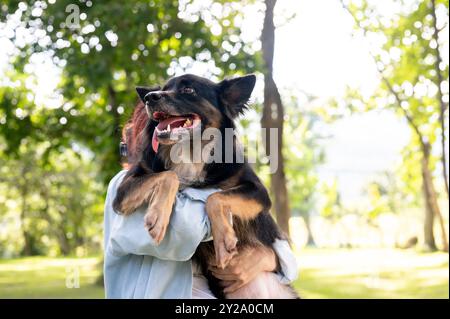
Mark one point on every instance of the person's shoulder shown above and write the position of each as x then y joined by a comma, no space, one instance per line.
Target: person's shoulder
116,180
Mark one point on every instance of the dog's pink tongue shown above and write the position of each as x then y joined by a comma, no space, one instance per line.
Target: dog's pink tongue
161,126
155,142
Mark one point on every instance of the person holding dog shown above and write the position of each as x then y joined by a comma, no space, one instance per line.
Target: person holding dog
138,267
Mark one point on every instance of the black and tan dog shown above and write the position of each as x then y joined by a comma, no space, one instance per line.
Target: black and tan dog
239,213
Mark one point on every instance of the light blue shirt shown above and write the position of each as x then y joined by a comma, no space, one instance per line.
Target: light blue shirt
135,267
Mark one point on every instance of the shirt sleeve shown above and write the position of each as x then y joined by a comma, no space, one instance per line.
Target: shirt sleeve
189,225
288,262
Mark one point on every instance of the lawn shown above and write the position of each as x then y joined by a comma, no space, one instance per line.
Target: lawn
325,273
372,273
43,277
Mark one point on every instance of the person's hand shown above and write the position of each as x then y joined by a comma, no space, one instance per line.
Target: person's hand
244,267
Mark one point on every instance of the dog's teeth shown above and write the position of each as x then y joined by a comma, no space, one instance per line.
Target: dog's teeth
168,128
187,123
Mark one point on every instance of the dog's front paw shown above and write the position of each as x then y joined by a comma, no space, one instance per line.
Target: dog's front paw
127,210
225,248
156,223
125,206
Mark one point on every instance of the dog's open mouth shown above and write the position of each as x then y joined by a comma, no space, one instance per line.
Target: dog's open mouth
172,126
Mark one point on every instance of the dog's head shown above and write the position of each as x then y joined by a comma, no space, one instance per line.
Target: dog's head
190,102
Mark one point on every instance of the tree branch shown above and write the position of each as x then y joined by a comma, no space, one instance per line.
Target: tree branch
385,80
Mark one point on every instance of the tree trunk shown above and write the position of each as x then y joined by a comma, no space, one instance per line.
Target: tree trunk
310,242
442,105
116,116
58,231
431,204
63,241
429,241
28,242
27,249
112,160
273,116
429,191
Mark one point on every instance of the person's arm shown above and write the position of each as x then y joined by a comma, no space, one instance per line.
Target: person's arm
244,267
288,267
189,225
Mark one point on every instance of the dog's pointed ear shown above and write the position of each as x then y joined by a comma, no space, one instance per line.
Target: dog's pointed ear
236,92
142,91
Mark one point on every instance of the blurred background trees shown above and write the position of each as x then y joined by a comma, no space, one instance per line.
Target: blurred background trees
415,85
110,49
273,117
59,149
101,57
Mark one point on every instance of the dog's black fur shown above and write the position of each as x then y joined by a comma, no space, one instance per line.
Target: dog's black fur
218,105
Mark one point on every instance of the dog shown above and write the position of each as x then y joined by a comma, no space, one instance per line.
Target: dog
239,213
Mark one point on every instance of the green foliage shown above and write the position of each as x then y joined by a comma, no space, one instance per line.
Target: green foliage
303,155
331,206
117,46
301,150
406,57
57,158
378,200
52,204
405,52
389,194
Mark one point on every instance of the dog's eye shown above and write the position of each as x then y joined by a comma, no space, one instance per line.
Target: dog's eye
187,90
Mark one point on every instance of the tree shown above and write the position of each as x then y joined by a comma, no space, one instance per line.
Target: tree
386,194
273,117
103,49
303,156
57,200
439,80
412,79
111,47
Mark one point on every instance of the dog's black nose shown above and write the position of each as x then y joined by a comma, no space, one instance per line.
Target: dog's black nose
153,96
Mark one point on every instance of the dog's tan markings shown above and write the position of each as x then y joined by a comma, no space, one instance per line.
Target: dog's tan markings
159,192
160,207
245,209
212,114
231,182
224,237
221,208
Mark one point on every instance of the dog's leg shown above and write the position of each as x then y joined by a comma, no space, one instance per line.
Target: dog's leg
161,203
158,190
244,201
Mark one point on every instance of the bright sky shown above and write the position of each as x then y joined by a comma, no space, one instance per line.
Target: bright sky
316,54
315,51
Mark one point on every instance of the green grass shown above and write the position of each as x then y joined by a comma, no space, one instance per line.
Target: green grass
44,277
324,273
372,273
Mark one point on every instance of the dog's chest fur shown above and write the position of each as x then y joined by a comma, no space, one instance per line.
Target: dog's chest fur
188,172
